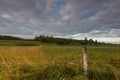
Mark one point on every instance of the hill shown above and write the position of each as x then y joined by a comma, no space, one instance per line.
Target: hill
5,37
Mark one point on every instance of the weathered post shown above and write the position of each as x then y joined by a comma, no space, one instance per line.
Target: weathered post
85,62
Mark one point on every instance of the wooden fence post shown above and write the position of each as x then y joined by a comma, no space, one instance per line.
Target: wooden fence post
85,62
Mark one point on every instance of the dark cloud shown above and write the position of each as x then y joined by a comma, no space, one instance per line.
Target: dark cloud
29,18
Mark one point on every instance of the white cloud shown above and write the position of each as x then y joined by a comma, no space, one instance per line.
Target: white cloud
97,34
6,15
66,17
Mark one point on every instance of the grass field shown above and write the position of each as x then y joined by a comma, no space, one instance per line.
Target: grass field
53,62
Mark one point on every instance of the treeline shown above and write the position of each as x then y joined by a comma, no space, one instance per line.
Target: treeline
4,37
60,41
64,41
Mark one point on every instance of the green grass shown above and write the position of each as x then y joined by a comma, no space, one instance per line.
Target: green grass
53,62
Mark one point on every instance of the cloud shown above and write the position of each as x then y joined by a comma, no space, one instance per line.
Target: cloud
59,17
5,15
50,4
113,33
109,36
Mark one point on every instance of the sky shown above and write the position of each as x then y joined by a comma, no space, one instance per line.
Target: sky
77,19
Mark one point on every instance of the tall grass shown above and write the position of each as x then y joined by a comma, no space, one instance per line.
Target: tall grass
58,63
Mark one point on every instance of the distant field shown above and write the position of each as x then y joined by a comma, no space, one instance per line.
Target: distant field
19,43
52,62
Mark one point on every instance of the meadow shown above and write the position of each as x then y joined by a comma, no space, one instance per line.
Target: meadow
55,62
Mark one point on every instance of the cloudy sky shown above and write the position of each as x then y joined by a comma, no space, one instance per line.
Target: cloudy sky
61,18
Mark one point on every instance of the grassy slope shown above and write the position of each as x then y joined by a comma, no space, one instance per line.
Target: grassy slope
58,63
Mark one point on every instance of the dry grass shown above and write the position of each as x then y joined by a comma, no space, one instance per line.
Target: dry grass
12,58
37,63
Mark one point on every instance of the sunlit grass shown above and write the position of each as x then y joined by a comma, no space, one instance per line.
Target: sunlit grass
58,63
